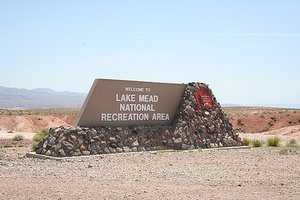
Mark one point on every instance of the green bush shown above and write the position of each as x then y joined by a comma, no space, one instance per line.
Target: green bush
257,143
18,137
273,141
246,141
40,135
34,146
291,143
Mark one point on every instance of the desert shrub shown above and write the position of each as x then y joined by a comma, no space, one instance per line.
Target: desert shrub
291,143
239,122
273,141
18,137
34,146
40,135
271,123
257,143
246,141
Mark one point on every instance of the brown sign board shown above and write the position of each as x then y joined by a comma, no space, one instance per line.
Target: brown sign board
130,103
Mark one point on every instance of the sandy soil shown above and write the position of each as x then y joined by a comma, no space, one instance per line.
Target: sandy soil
7,135
36,120
258,173
258,119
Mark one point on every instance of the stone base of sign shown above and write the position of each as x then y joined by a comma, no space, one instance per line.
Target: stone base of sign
199,123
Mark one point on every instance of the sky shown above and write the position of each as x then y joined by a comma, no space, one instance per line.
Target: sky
247,51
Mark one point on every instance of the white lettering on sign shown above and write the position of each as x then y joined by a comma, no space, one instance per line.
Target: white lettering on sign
125,97
134,89
148,98
136,107
124,116
160,116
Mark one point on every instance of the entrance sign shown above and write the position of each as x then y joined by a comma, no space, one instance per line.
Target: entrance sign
203,98
129,103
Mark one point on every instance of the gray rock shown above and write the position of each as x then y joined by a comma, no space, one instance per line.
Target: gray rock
68,145
57,130
82,133
77,152
141,149
60,141
78,129
93,132
126,149
73,137
113,139
190,111
45,144
80,141
57,147
135,144
48,153
113,145
73,130
106,150
112,150
178,141
62,153
86,153
134,149
102,144
118,137
185,146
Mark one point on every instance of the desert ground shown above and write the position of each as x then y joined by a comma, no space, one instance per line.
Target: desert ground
253,173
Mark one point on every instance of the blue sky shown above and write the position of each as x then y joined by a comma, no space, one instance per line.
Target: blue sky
247,51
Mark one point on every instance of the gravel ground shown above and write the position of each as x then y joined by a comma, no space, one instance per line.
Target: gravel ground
6,135
257,173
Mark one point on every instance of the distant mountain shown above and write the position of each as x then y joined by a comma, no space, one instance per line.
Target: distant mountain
39,98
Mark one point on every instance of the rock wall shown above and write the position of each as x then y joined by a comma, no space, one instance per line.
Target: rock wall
199,123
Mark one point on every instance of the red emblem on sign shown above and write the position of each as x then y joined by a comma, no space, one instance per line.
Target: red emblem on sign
203,99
